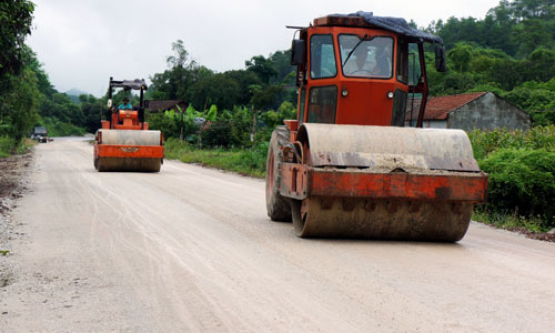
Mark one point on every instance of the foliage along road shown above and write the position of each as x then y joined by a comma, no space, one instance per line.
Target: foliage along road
191,250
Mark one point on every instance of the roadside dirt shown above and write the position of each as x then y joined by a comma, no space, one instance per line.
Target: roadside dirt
12,172
540,236
543,236
13,176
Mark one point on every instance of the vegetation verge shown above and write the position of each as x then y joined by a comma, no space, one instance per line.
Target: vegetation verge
251,162
521,168
10,146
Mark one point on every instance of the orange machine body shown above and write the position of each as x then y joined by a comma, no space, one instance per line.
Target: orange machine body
126,120
360,100
334,97
124,141
366,102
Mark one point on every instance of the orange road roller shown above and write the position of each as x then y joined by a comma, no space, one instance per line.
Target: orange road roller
357,162
125,143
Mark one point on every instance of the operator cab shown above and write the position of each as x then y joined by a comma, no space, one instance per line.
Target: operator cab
361,69
126,119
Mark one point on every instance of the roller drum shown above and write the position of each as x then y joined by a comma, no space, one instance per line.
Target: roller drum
385,149
128,164
382,220
129,138
354,149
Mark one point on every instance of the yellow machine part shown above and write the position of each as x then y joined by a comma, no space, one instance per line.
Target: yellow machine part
353,149
143,139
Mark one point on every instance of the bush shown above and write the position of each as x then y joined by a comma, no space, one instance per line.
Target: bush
7,145
537,138
522,182
520,166
228,128
56,127
169,122
254,160
220,134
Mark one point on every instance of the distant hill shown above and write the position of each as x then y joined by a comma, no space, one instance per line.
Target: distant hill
74,93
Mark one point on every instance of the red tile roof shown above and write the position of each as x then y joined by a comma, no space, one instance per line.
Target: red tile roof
438,108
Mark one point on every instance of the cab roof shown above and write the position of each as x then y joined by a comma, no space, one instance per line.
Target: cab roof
368,20
129,84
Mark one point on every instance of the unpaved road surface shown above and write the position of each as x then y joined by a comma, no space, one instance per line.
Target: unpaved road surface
191,250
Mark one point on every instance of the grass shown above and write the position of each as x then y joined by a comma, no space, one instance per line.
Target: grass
510,221
250,162
9,146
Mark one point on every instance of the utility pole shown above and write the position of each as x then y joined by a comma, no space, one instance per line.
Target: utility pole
181,132
253,124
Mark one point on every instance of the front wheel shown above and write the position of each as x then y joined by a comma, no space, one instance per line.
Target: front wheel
277,206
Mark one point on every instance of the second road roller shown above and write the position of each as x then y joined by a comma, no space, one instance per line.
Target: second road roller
357,162
125,143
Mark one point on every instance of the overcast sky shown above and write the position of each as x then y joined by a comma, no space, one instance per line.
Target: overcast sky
83,42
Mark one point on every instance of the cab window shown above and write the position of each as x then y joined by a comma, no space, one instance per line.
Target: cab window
403,62
322,57
366,57
321,105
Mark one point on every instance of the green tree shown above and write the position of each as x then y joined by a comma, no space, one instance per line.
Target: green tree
264,68
15,19
21,104
460,57
244,79
18,92
531,34
219,89
177,81
91,109
283,67
540,65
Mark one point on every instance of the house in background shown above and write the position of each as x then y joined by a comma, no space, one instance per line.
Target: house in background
161,106
482,110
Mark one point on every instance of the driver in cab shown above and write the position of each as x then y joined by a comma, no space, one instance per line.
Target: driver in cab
357,64
125,104
370,61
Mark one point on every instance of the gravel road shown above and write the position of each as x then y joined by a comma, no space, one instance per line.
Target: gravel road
191,250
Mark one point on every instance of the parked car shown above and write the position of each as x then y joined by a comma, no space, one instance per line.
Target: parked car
40,134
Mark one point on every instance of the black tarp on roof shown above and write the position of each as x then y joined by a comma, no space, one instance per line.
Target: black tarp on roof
130,84
397,25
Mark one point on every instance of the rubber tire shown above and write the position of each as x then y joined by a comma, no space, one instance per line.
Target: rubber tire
277,206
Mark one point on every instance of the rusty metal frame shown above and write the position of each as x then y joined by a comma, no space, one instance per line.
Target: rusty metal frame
300,182
125,151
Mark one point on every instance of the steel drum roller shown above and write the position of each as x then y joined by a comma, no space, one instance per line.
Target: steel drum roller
357,150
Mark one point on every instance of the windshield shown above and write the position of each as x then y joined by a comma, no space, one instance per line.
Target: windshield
40,130
362,57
